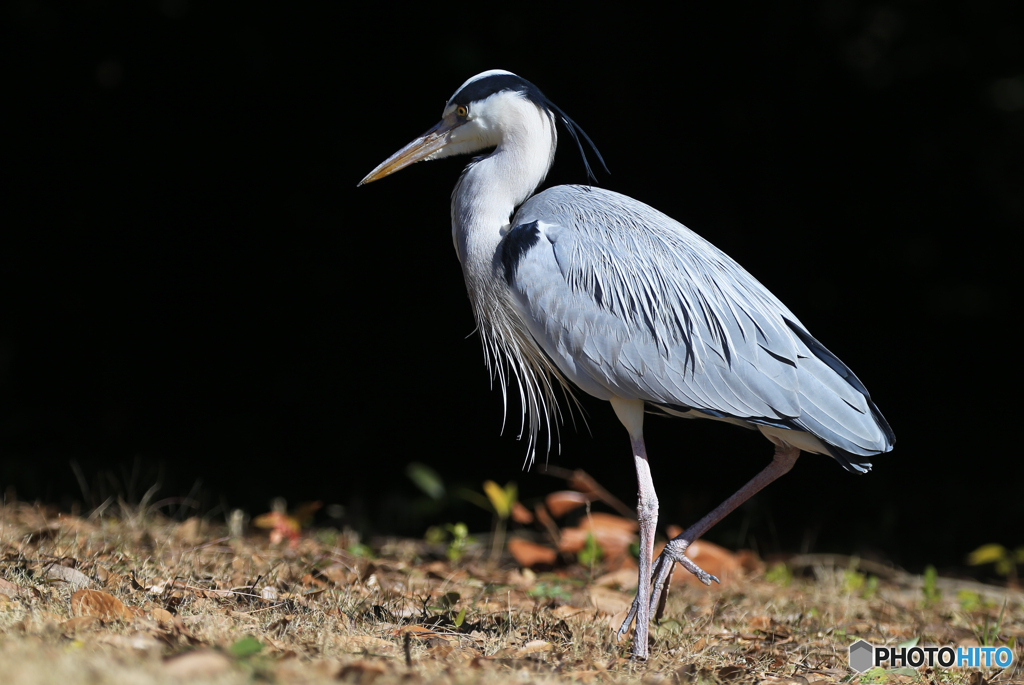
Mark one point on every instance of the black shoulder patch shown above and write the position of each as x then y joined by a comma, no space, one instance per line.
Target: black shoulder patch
489,85
514,246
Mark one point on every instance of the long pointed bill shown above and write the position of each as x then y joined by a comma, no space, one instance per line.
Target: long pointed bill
419,149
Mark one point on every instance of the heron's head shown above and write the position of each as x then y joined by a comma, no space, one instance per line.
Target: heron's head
484,112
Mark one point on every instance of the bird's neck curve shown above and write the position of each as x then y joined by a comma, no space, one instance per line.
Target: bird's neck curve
494,186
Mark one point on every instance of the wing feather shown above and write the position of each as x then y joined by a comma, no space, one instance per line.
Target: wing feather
631,303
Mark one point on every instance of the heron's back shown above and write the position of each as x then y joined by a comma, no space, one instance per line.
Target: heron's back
630,302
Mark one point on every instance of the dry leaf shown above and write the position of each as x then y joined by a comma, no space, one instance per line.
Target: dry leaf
424,633
72,576
11,590
625,578
533,647
613,534
361,672
608,601
529,554
562,502
727,673
104,606
163,618
282,527
565,611
203,663
80,623
189,531
521,514
356,644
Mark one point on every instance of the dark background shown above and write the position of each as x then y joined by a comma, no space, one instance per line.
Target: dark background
195,294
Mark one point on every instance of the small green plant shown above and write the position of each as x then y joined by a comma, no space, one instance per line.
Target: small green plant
459,542
929,588
446,605
502,500
969,600
245,647
591,552
1005,560
857,583
853,581
426,479
779,574
875,675
988,634
543,590
360,550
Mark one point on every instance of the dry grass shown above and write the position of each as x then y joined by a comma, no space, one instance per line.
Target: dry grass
199,606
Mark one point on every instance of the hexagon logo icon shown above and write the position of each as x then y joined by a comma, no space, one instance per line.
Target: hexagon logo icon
861,654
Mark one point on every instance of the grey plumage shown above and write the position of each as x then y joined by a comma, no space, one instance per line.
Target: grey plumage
630,302
584,287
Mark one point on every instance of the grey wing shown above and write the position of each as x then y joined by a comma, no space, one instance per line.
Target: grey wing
629,302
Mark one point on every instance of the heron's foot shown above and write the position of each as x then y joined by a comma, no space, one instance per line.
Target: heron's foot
674,552
629,618
702,575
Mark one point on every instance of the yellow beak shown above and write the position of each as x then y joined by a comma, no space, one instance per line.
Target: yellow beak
419,149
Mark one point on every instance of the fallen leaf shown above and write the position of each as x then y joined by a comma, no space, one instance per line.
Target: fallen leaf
625,578
529,554
80,623
362,672
11,590
731,672
203,663
613,534
562,502
565,611
188,531
421,633
521,514
163,618
71,576
533,647
282,527
608,601
365,643
615,620
100,604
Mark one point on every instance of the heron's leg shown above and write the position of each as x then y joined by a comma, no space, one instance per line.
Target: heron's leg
675,550
630,412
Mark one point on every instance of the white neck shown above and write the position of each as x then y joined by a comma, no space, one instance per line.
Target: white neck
491,189
483,203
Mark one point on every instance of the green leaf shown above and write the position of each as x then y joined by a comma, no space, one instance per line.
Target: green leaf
987,554
426,479
247,646
912,642
591,552
501,499
903,670
460,618
449,599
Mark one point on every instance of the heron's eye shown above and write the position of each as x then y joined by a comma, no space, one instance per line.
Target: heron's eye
462,111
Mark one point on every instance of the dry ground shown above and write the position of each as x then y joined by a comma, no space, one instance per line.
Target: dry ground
140,599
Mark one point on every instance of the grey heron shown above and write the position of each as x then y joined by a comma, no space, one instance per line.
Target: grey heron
580,286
